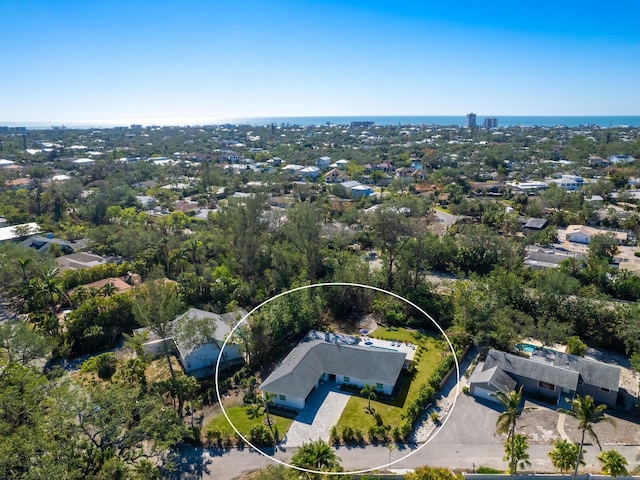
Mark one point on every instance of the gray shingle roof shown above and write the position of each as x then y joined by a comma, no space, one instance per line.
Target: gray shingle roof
495,377
591,372
524,367
302,368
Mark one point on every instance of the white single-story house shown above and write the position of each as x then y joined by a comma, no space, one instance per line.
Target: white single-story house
199,359
309,172
547,373
583,233
323,357
15,232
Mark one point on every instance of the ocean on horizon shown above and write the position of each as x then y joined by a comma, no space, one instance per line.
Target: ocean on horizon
603,121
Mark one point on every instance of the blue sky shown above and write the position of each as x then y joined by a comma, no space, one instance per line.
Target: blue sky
68,61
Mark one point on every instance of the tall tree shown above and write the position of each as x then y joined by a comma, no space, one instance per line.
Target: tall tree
506,422
156,305
588,414
303,230
392,230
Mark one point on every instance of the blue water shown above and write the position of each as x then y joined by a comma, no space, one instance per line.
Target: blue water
603,121
541,121
526,347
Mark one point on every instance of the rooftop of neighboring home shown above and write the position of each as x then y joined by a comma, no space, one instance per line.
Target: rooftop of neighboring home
14,232
78,261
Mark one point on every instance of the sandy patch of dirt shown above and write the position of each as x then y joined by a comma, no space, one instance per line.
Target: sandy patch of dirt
623,432
539,425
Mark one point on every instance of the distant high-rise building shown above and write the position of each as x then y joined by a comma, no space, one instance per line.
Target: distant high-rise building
471,120
490,122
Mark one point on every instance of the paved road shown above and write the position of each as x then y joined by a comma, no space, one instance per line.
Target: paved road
229,465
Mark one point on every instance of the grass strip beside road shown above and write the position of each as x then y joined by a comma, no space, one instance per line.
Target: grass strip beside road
243,422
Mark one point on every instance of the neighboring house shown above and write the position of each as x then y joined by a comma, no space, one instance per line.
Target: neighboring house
146,201
533,225
118,285
361,191
323,162
566,183
145,184
84,162
529,187
556,376
42,244
20,183
336,176
582,234
78,261
15,232
309,173
4,163
328,359
281,202
538,258
621,159
199,360
342,164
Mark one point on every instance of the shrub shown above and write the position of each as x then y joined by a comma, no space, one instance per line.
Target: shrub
334,436
104,365
575,346
488,470
260,436
347,434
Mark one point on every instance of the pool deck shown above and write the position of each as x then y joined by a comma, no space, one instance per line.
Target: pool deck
407,348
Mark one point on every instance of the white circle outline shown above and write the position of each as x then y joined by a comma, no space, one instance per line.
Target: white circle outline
337,284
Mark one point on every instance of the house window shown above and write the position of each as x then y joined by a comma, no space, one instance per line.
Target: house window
545,385
282,397
346,379
379,385
604,389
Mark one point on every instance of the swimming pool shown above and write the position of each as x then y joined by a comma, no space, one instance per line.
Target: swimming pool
526,347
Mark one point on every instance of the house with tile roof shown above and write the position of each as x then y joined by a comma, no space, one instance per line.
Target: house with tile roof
327,359
546,373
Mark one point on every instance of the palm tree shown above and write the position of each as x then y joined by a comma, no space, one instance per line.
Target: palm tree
564,455
267,398
48,286
613,463
585,410
23,262
253,410
317,455
370,392
506,422
517,452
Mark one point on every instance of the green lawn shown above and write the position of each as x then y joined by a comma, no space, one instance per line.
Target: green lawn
433,348
243,422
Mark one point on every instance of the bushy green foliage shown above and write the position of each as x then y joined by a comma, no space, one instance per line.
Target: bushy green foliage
575,346
104,365
260,436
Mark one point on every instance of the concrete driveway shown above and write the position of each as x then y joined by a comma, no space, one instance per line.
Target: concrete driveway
321,412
